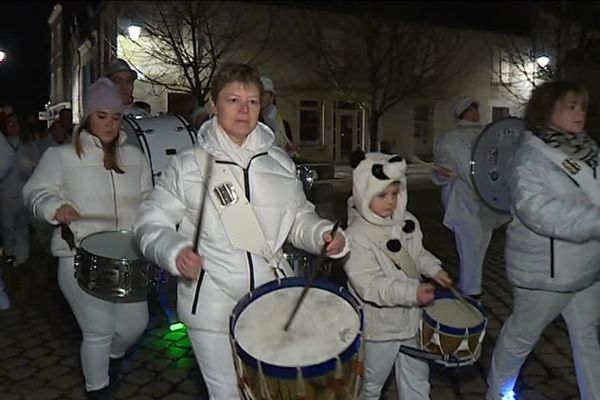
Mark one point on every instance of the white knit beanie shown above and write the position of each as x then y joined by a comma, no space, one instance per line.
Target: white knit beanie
102,95
461,104
371,176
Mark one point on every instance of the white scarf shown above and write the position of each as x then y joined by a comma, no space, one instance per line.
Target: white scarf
241,155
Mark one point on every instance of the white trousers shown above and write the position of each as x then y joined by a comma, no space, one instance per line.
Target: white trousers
215,358
108,328
533,310
472,240
15,228
412,375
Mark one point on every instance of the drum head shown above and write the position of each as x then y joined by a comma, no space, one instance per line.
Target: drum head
491,153
159,138
326,325
116,245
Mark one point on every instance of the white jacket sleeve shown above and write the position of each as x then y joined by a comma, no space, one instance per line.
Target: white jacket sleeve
443,156
41,193
370,282
427,263
158,217
7,157
544,211
308,228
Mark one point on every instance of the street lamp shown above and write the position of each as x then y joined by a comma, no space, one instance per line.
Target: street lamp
2,55
134,32
543,61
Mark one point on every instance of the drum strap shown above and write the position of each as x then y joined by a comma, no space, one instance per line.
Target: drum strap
579,171
383,238
235,211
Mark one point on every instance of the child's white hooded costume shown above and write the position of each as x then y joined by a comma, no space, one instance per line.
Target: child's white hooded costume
384,268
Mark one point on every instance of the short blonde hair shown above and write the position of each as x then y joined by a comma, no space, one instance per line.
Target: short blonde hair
235,72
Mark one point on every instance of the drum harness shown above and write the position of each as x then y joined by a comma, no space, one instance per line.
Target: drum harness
235,210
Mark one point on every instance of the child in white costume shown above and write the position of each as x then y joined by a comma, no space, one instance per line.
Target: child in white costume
384,270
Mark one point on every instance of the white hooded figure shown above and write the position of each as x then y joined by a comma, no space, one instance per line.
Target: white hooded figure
465,214
384,270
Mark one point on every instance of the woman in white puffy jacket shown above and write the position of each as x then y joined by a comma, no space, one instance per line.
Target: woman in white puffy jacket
215,273
98,174
553,241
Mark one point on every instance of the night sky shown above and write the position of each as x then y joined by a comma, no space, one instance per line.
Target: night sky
25,37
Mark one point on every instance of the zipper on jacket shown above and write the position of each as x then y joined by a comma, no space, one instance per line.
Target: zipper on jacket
248,255
551,257
112,180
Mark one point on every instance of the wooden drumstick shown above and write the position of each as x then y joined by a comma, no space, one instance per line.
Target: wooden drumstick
311,278
97,217
461,297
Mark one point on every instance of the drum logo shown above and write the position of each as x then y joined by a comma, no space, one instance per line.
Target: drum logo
571,166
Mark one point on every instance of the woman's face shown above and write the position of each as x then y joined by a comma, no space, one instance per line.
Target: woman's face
569,113
105,125
237,110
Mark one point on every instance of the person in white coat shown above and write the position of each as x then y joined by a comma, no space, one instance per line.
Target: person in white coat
101,175
465,214
7,157
384,271
553,240
15,218
216,272
123,77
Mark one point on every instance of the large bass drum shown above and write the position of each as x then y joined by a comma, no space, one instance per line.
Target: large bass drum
159,138
491,154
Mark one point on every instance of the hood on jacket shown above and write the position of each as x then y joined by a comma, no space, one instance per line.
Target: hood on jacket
371,176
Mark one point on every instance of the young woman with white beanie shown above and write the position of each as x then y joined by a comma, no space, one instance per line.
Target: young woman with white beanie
102,175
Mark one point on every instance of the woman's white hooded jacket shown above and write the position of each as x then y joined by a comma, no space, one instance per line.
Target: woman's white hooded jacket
61,177
168,220
553,240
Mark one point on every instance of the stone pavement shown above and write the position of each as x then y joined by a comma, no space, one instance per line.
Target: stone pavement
39,339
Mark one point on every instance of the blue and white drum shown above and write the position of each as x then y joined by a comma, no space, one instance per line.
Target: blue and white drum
159,138
490,157
318,357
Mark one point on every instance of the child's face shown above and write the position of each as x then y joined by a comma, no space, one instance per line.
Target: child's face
569,113
384,204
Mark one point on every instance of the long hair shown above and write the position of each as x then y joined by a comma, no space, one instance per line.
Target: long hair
544,98
111,153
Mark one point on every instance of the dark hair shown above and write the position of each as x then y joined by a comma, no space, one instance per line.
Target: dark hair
111,154
24,133
544,98
232,72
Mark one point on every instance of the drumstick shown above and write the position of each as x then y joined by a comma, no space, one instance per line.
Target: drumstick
311,278
442,170
98,217
461,297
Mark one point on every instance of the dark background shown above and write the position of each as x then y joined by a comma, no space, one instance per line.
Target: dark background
25,38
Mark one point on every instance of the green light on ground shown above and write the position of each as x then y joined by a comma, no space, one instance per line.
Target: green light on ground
176,326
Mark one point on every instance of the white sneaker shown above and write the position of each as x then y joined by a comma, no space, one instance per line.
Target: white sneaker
4,301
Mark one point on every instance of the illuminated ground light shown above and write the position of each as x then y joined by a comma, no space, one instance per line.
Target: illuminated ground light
509,396
176,326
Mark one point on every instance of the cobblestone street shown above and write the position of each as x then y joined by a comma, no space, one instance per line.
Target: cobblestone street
39,339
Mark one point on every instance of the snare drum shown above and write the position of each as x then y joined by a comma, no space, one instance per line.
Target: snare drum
108,266
453,330
159,138
317,358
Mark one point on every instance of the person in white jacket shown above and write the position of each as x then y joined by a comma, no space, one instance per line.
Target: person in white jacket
553,240
7,157
15,217
124,77
384,271
214,273
465,213
98,174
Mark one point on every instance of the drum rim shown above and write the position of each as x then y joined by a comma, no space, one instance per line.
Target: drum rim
451,330
473,163
82,249
308,371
